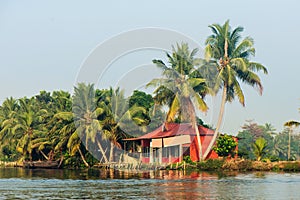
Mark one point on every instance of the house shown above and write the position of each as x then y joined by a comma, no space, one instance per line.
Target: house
172,141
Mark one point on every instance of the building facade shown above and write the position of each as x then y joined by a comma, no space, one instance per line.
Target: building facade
172,141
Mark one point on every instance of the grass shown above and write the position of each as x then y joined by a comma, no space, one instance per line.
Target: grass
236,165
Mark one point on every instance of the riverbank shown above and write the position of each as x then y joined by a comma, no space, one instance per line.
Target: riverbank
9,164
237,165
241,165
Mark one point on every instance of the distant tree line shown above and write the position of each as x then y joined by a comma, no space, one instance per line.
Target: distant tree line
263,142
48,125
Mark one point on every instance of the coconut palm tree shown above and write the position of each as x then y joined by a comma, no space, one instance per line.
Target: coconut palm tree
25,126
290,124
280,147
269,129
231,57
181,87
8,112
86,112
117,118
64,136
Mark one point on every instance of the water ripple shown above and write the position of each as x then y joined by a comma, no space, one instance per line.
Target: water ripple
18,184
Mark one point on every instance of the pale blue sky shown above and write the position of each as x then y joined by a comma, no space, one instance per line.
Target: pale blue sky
43,44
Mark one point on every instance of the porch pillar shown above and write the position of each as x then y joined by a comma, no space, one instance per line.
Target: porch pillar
151,155
160,155
170,157
180,152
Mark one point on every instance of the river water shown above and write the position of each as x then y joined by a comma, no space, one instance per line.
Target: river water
18,183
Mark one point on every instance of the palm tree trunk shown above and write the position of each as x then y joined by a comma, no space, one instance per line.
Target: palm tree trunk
102,151
30,156
216,133
83,158
47,158
289,144
190,114
199,141
226,49
111,153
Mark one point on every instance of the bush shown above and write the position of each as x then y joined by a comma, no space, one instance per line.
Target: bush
188,160
211,165
276,168
225,146
273,158
291,167
245,165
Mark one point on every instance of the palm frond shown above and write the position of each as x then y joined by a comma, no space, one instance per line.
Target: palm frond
201,103
244,46
254,66
208,52
67,116
175,106
252,79
239,93
239,64
194,82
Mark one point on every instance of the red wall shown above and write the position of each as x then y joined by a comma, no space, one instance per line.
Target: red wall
205,140
145,143
145,160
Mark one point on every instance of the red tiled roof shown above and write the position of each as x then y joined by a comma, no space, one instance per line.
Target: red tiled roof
173,129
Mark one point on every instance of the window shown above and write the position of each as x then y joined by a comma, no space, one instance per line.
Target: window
186,151
175,151
146,152
165,152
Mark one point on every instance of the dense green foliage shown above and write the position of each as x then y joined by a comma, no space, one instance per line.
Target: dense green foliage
225,146
276,147
50,126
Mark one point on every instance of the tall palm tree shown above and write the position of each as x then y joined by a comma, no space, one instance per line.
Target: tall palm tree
280,148
118,118
86,113
231,58
269,128
64,136
180,87
8,112
26,126
290,124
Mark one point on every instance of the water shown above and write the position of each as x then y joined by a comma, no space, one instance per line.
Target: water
17,183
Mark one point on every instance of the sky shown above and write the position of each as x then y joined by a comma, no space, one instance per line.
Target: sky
43,46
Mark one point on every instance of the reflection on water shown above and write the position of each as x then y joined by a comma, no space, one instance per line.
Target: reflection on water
95,174
18,183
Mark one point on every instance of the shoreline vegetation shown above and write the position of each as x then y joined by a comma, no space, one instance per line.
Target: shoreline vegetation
211,165
240,165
